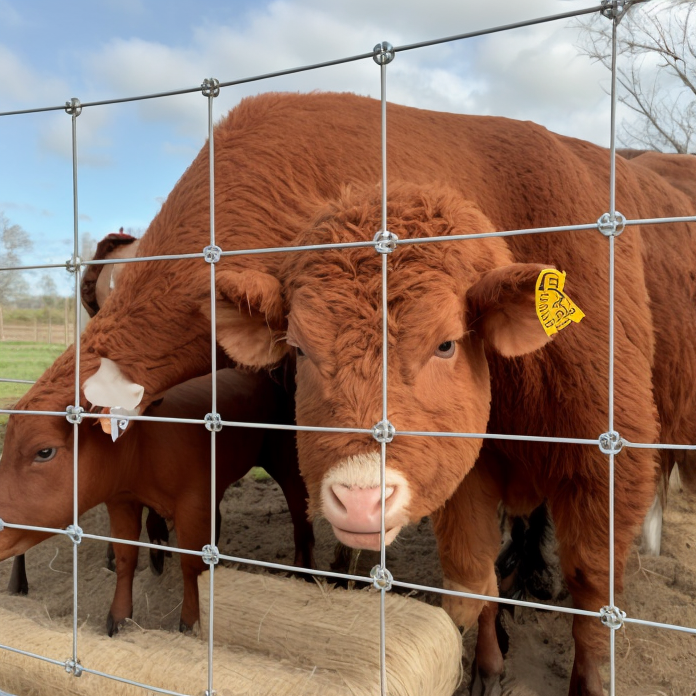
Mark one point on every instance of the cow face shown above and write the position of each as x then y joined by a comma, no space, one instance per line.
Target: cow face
448,302
36,475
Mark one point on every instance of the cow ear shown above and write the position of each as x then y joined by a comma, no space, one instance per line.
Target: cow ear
250,317
501,309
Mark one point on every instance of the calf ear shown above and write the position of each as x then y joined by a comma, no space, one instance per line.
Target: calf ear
250,317
90,279
501,309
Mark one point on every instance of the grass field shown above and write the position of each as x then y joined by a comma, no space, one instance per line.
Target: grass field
19,360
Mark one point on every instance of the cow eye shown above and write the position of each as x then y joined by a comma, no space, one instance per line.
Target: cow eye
445,350
46,454
299,351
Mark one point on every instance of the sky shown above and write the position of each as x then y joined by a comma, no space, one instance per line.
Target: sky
131,155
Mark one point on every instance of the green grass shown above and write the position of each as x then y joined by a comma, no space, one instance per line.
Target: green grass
259,474
19,360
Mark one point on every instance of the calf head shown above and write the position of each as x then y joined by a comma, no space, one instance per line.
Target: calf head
36,471
449,303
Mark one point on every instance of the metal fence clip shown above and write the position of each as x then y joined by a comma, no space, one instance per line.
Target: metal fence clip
385,241
210,87
73,667
383,53
611,227
211,554
383,431
611,443
381,578
73,107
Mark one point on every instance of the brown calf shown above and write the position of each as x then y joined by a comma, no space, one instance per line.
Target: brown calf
466,350
165,466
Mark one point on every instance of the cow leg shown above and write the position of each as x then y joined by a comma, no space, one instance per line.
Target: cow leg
158,533
110,557
126,523
18,578
279,457
652,529
468,539
193,534
580,514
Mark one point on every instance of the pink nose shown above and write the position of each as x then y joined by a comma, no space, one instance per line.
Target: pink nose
355,509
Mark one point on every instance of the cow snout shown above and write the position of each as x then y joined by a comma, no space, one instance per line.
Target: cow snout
351,502
356,509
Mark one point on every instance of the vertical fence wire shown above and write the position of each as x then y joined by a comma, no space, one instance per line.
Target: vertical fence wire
385,364
213,91
616,16
74,112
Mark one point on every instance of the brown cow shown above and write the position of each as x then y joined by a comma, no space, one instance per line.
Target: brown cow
466,349
165,466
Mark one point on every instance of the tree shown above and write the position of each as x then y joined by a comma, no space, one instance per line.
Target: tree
88,247
656,71
13,240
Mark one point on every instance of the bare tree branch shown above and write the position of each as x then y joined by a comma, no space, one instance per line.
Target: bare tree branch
657,71
13,240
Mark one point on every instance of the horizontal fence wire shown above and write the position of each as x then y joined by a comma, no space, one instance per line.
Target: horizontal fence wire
359,431
352,245
72,265
325,64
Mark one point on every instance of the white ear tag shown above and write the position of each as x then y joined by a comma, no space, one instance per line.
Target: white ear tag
118,425
108,387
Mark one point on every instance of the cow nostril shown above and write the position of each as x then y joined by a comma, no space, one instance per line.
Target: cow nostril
336,496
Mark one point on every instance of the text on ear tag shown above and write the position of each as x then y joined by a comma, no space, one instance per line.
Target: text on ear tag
554,308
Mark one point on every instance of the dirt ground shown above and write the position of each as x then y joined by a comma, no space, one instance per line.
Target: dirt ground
256,524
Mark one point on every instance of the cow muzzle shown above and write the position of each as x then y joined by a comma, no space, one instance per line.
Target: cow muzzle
352,502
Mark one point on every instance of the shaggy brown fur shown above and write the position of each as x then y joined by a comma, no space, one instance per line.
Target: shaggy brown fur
305,168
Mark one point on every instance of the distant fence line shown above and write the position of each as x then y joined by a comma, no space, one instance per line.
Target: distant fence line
40,329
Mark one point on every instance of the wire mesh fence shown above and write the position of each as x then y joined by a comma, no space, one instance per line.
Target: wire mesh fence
610,442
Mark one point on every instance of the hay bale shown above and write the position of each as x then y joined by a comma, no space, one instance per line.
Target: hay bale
157,658
337,630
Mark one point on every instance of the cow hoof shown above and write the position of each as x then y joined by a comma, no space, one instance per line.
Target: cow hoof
184,627
157,561
18,585
112,625
484,684
21,589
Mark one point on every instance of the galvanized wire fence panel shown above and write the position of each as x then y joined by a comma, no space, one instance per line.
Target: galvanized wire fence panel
610,443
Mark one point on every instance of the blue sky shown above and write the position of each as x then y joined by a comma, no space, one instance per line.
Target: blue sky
131,155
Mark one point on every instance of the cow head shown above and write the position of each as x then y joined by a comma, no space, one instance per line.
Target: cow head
448,304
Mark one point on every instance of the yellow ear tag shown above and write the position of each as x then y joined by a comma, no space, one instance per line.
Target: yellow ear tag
554,308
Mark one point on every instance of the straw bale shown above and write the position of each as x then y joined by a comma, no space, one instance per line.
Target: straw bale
329,628
157,658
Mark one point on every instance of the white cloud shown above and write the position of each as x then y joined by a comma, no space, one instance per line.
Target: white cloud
93,139
20,84
533,73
